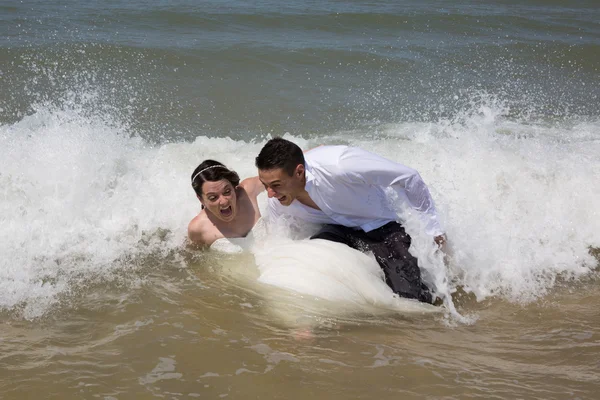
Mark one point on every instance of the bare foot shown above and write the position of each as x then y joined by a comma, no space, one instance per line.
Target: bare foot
303,334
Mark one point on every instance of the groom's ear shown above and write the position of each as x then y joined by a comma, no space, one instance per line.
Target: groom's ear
299,170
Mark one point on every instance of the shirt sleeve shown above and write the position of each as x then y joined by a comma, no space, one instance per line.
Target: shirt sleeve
362,166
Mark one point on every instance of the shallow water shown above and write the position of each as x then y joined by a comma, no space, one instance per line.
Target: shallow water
190,332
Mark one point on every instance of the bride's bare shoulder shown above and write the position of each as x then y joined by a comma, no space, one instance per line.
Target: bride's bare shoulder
200,230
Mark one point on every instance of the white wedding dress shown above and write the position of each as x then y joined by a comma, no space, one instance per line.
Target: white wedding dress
241,244
316,268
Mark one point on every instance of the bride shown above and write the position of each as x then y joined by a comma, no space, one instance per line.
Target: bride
229,208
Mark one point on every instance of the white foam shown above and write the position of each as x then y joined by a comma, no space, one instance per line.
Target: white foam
78,194
518,199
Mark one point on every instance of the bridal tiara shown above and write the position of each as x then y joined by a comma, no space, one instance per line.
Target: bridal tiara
202,170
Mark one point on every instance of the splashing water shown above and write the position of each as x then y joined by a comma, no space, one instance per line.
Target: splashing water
81,197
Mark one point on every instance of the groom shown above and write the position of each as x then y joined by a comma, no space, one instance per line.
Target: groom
345,189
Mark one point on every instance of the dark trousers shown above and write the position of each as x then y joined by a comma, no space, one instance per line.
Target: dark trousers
389,244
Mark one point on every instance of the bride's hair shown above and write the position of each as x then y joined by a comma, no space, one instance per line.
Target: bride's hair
212,171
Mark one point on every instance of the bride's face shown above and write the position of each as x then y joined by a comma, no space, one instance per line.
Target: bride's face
219,198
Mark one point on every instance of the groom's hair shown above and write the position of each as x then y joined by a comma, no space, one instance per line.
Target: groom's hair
280,153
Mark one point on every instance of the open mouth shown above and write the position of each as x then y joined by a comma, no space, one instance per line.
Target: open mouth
226,212
282,199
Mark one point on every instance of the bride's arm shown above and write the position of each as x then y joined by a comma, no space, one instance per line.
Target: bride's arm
253,186
198,236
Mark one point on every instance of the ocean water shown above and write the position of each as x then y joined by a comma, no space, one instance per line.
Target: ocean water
107,107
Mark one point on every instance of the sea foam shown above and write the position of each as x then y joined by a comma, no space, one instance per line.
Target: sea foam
80,195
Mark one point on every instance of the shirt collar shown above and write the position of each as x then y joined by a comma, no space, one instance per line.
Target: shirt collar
308,174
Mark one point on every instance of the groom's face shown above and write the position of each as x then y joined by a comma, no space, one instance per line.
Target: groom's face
282,186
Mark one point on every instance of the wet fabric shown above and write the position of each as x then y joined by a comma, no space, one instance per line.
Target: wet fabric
357,188
389,244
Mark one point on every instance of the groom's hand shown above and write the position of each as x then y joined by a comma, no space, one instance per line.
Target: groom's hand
440,241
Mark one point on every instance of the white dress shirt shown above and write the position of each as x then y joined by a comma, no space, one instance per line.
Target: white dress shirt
349,185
